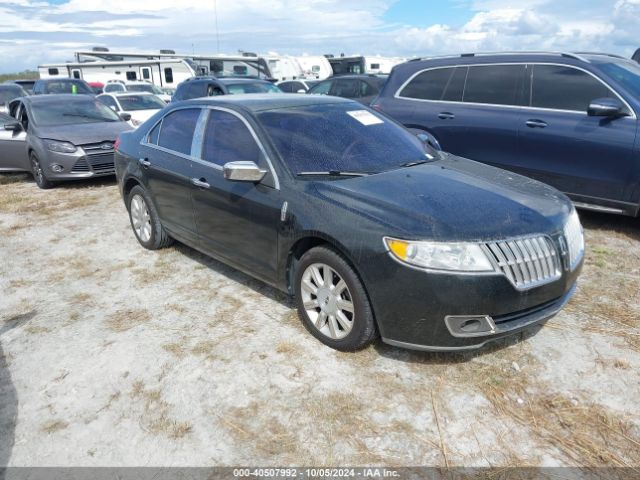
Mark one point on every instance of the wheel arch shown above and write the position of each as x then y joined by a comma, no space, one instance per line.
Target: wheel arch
128,185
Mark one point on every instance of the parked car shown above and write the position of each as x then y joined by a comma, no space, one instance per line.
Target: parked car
362,88
97,87
26,84
297,86
636,56
60,137
140,106
197,87
374,232
9,92
61,85
139,87
569,120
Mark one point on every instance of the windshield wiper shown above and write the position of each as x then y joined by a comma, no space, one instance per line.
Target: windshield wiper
91,117
334,173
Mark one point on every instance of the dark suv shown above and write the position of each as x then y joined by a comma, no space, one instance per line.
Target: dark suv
61,85
569,120
198,87
361,88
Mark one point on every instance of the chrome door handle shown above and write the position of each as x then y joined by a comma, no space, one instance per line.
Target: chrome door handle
446,116
200,183
536,124
144,162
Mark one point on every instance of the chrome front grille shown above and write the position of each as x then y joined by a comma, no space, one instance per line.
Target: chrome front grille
526,262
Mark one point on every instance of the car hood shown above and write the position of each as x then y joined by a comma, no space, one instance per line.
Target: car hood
452,199
84,133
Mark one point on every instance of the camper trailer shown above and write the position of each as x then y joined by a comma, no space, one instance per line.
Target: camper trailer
315,67
375,65
283,67
243,65
163,73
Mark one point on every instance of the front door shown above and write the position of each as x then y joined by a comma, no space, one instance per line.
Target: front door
166,165
589,158
237,221
13,146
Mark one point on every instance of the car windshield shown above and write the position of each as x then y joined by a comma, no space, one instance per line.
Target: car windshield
65,112
249,87
130,103
9,92
626,74
344,137
67,86
145,87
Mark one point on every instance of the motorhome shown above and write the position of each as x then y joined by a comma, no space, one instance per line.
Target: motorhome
243,65
375,65
163,73
315,67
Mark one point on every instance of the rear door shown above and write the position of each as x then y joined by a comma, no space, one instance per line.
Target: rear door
235,220
13,144
166,164
590,158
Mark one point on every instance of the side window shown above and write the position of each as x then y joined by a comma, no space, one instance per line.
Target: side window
438,84
76,74
495,84
132,76
367,90
146,73
177,130
322,88
227,139
109,102
565,88
168,75
54,71
347,88
286,87
213,90
152,137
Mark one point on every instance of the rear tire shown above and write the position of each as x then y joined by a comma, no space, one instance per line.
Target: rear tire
332,302
38,173
145,220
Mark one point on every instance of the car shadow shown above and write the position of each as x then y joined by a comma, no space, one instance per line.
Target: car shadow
627,226
8,395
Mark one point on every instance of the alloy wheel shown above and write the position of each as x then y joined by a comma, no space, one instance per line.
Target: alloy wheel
140,218
327,301
37,170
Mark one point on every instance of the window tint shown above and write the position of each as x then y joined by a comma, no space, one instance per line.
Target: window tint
286,87
177,130
439,84
347,88
495,84
168,75
153,134
564,88
322,88
227,139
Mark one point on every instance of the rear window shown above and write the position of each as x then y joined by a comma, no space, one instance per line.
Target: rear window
68,86
565,88
130,103
495,85
258,87
445,84
177,130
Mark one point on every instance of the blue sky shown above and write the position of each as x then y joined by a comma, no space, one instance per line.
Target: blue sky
33,32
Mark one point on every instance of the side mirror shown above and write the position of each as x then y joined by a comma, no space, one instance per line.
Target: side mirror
429,140
125,116
606,107
13,126
243,172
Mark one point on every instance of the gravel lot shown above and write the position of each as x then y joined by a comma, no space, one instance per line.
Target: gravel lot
111,355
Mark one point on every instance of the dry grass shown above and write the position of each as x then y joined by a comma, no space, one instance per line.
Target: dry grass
124,320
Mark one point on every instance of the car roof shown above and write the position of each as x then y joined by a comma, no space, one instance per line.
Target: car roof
124,94
12,86
256,102
40,99
227,80
61,79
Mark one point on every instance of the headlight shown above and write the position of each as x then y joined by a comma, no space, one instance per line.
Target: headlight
460,257
574,236
59,147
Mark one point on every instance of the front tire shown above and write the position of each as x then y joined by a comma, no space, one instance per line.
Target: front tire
145,220
332,302
38,174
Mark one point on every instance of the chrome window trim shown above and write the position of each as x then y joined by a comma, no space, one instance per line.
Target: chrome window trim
398,96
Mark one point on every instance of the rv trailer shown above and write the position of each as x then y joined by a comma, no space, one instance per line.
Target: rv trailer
315,67
360,64
220,65
163,73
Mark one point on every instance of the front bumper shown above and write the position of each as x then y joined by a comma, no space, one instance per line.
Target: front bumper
411,306
78,165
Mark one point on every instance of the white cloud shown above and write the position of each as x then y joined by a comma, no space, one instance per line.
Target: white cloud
37,32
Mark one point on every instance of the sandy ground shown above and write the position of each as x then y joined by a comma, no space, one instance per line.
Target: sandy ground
113,355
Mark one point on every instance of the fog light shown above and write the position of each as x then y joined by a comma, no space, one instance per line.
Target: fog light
470,325
57,168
